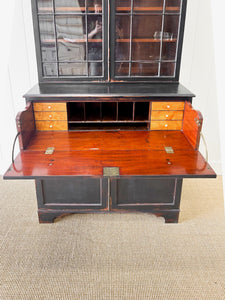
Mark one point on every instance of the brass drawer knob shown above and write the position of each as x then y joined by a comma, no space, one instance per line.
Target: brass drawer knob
49,107
50,116
166,125
167,116
50,126
168,106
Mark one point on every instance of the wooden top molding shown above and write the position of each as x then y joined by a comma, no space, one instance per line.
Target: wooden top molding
55,91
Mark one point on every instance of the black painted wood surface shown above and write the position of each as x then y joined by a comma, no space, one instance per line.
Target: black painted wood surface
54,91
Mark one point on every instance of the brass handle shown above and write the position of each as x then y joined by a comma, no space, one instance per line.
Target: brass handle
49,107
50,126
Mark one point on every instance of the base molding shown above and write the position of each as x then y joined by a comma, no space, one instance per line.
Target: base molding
49,215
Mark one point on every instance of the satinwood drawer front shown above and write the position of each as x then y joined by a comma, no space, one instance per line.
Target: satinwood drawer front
166,115
53,115
166,125
49,106
168,105
51,125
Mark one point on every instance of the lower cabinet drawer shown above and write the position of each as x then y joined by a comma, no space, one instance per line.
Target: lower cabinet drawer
166,125
167,105
54,115
49,106
157,115
51,125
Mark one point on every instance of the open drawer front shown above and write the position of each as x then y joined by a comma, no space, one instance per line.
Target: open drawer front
152,153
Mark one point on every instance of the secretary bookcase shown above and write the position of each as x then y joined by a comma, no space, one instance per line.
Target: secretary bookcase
109,127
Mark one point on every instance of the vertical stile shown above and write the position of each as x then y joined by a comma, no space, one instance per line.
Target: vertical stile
133,118
161,40
55,33
117,110
131,35
86,43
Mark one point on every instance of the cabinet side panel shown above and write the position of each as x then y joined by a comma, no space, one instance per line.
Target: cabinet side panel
25,126
192,125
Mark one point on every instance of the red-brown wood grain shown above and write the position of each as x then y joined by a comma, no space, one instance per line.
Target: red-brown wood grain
25,126
113,140
36,164
192,125
85,154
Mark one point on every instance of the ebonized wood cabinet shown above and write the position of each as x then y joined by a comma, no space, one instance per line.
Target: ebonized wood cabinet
108,127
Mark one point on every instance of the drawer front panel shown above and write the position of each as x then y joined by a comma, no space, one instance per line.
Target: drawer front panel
167,115
51,125
166,125
49,106
167,105
55,115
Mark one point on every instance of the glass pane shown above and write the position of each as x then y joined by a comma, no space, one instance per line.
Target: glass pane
95,69
123,5
76,69
144,69
47,38
122,46
69,6
45,6
167,69
121,69
171,25
94,28
144,27
122,50
94,6
145,51
141,6
169,50
49,69
173,6
71,38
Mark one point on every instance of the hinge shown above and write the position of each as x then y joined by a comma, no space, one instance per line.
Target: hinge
49,150
198,122
169,150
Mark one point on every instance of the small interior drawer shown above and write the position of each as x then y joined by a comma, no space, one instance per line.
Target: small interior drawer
167,115
166,125
167,105
51,125
52,115
49,106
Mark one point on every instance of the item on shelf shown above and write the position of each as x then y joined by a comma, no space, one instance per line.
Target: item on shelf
163,35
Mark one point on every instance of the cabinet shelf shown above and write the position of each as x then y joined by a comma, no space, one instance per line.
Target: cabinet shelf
67,9
52,41
146,40
92,9
107,121
156,8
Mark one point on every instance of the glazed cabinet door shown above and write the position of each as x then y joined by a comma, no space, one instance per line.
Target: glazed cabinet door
71,39
146,38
